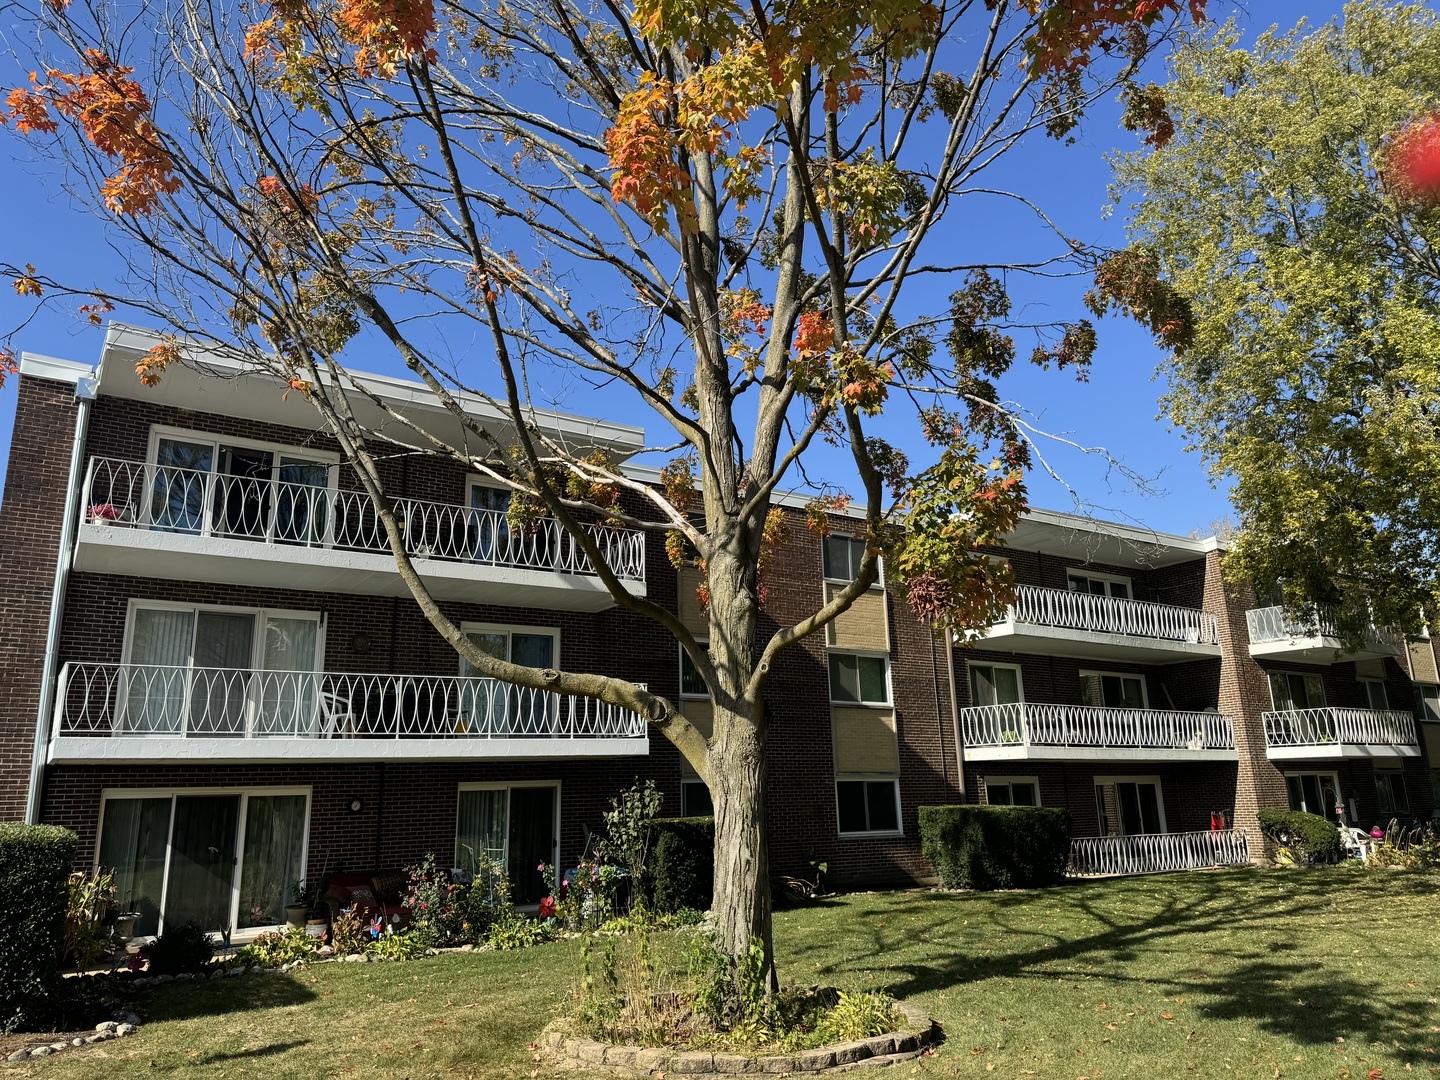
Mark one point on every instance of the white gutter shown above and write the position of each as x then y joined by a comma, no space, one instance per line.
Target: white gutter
85,386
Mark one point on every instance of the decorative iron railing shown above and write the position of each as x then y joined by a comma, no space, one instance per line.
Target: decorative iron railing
1108,614
138,700
161,498
1027,723
1323,727
1156,853
1276,624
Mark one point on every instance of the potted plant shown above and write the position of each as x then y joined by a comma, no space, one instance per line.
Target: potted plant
298,907
1010,736
103,514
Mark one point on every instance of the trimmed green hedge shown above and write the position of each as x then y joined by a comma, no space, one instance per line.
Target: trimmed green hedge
995,847
680,869
1309,836
35,864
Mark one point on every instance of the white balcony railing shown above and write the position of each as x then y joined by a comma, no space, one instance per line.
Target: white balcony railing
1346,727
1154,853
1107,614
1028,723
161,498
1269,624
140,700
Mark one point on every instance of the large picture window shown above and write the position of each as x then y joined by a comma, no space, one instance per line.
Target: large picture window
223,858
994,684
1012,790
1294,690
492,707
192,669
256,491
516,826
1112,691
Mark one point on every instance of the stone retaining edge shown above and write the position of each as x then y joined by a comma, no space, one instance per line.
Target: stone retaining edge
578,1052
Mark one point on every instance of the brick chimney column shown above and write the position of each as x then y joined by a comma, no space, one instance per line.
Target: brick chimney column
1244,696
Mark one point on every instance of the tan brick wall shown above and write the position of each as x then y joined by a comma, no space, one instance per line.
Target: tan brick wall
865,740
864,626
687,604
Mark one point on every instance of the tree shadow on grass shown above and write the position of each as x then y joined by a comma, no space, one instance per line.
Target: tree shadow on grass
1138,931
217,997
269,1050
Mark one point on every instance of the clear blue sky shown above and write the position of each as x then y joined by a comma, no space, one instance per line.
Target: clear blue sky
1117,408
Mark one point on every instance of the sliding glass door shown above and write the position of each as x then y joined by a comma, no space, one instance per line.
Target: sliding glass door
219,859
516,827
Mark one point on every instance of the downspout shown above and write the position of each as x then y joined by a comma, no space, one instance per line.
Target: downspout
85,395
955,715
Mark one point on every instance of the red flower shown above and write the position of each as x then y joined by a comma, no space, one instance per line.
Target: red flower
547,908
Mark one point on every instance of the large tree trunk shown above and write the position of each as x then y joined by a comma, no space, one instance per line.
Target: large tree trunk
742,861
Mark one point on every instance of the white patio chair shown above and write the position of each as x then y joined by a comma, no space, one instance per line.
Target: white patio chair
336,719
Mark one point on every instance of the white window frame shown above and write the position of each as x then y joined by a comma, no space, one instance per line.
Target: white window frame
257,646
1398,774
245,794
1009,780
871,778
685,695
971,665
1144,689
1327,812
1100,781
879,582
509,628
1072,572
1288,673
507,787
1429,704
1366,682
889,687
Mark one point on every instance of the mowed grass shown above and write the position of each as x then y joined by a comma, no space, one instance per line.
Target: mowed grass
1247,973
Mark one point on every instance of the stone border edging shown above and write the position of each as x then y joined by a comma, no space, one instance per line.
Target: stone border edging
104,1031
577,1052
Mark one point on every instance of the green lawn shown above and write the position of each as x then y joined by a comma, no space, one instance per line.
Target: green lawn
1325,973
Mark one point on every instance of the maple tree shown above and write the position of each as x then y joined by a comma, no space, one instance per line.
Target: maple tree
1293,222
716,206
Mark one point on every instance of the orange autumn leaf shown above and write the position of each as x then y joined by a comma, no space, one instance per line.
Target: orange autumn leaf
389,33
150,366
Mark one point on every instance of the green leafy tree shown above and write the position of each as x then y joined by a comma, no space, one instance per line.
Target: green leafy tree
715,207
1310,375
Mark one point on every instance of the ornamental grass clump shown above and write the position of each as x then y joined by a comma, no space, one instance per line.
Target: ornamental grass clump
682,990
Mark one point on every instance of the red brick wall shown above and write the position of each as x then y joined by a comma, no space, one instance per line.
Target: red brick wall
30,521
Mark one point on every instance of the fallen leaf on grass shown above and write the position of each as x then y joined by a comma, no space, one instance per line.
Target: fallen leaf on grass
978,1050
532,1046
1166,1016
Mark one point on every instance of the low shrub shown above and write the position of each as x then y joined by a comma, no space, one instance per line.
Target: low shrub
518,932
680,870
278,948
436,907
1307,837
405,945
186,947
349,932
35,863
995,847
860,1015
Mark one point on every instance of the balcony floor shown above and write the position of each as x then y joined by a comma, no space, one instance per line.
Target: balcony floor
105,549
1338,751
1041,640
161,750
1094,753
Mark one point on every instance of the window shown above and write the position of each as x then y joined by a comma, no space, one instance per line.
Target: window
691,684
1112,691
1129,805
857,679
1291,690
491,707
515,825
1315,793
1391,788
1012,790
868,806
994,684
1427,702
1099,584
1375,696
256,491
695,799
219,671
842,557
221,858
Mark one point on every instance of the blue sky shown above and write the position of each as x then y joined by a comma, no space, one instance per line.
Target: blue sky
1117,408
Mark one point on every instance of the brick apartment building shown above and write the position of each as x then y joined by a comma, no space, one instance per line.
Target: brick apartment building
213,674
